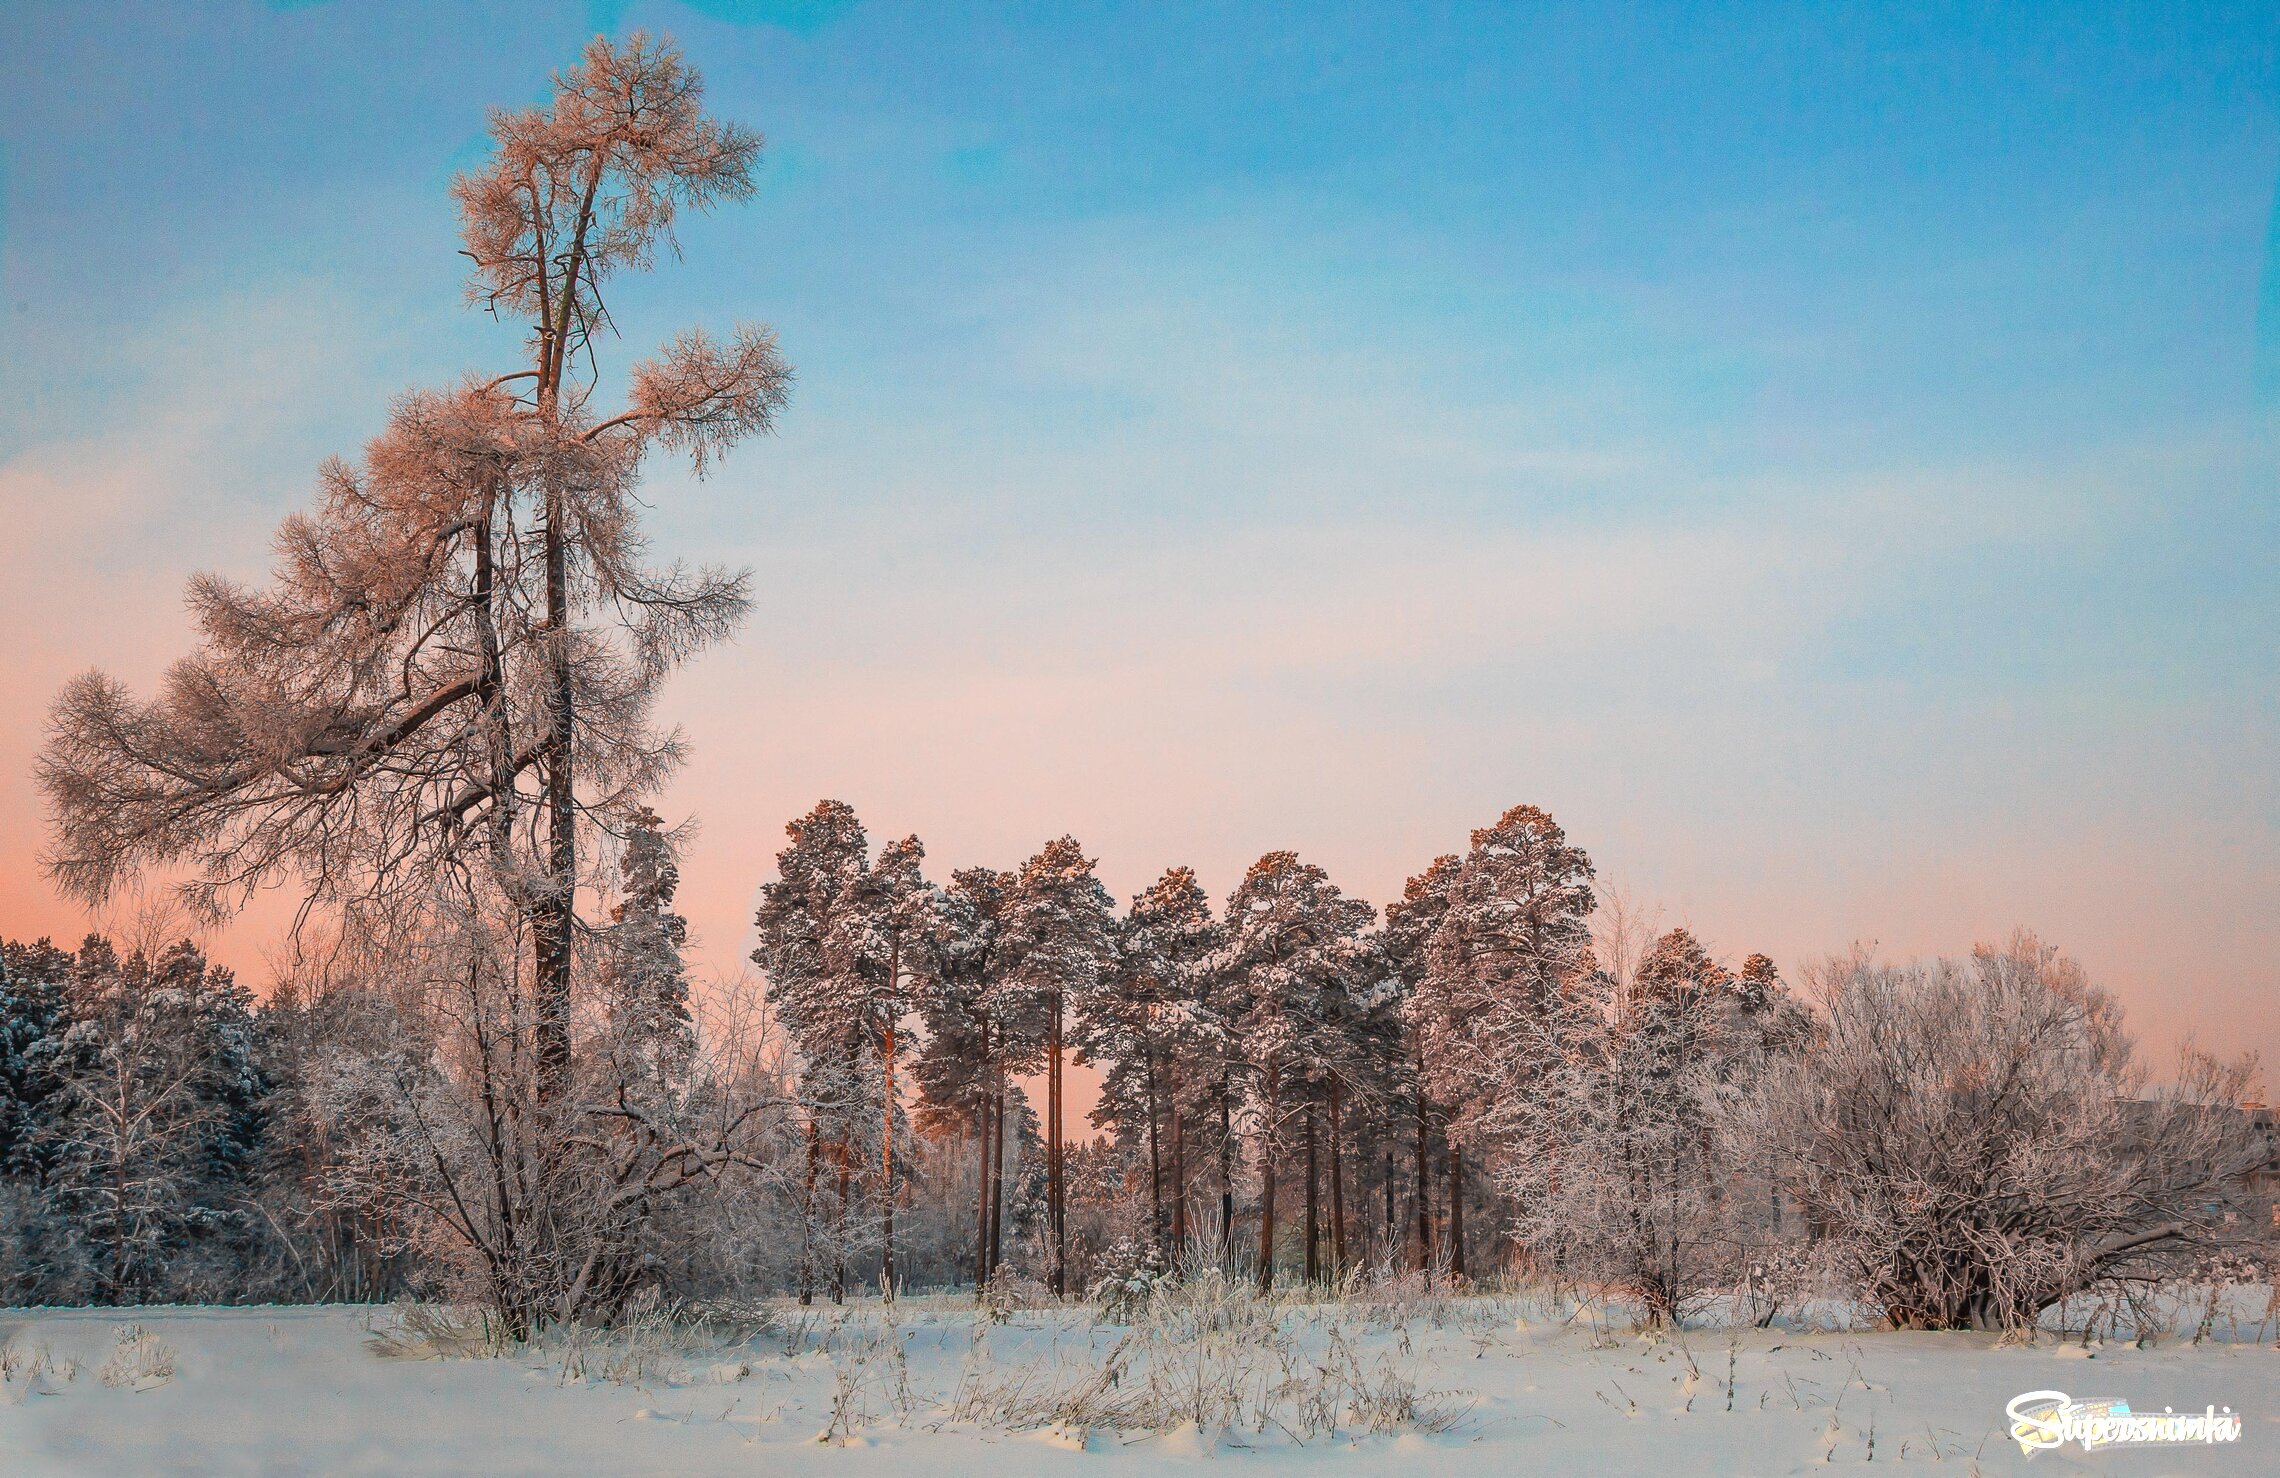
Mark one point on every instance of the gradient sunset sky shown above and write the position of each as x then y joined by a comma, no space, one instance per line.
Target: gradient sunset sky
1825,456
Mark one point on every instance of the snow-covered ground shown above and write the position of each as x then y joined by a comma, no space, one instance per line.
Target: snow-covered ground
301,1390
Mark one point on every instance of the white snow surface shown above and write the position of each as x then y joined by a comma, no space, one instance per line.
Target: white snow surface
303,1390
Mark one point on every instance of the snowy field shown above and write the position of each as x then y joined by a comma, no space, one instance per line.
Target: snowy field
1471,1386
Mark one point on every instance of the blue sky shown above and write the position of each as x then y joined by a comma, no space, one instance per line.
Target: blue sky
1826,455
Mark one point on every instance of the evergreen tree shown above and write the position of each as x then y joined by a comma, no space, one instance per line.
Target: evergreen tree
977,1034
1155,1036
1514,928
34,1014
1513,932
1059,949
1407,941
645,981
811,927
160,1112
1358,1077
894,914
1292,941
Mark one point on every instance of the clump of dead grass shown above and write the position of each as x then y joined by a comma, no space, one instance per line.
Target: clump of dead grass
139,1360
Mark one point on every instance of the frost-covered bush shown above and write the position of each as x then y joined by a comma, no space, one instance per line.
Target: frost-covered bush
1974,1141
1133,1273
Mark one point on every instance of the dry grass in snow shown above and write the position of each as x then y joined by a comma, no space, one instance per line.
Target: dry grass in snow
1386,1380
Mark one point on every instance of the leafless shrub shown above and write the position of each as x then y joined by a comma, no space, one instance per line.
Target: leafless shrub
1977,1145
869,1379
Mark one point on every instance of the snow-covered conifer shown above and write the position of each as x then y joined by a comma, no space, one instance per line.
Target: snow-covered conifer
33,1016
1290,947
973,1042
811,927
1059,948
1157,1039
645,981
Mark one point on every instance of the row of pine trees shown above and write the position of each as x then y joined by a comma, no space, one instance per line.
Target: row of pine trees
1289,1040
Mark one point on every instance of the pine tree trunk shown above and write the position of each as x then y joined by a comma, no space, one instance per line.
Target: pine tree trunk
1226,1175
997,1183
982,1178
807,1214
1054,1189
1391,1237
1155,1163
1179,1179
1267,1183
1456,1212
1424,1191
1337,1187
887,1170
1313,1223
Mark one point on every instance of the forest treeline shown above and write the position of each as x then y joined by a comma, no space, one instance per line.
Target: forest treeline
482,1072
1494,1077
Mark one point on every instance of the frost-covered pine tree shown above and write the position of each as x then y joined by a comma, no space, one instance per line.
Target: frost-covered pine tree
811,927
1513,929
977,1035
1289,951
844,946
1406,941
895,913
1157,1040
40,1259
1356,1082
1059,949
34,1012
645,981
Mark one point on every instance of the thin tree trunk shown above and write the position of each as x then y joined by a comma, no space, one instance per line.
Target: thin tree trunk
997,1184
1179,1179
1226,1175
1337,1187
981,1192
1313,1209
1055,1190
887,1170
1267,1184
839,1235
557,901
1390,1238
1424,1191
553,913
1155,1163
1456,1212
982,1178
807,1215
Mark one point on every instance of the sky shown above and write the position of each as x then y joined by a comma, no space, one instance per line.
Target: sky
1825,456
